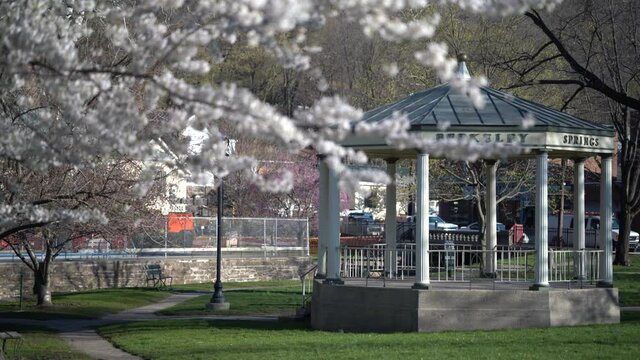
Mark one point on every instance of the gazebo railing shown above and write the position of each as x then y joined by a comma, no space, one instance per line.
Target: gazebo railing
461,263
406,234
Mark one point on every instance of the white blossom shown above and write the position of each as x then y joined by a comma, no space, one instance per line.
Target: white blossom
528,121
391,69
71,90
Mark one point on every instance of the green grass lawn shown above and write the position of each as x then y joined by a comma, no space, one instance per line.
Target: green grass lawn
281,299
201,339
237,285
40,343
628,288
269,297
85,304
627,280
634,258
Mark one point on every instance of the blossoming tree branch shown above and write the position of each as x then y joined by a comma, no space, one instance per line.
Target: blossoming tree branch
83,82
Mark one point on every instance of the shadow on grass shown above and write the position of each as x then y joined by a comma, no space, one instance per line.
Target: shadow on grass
204,339
278,290
241,325
40,315
630,317
247,301
262,291
39,343
83,305
228,286
629,288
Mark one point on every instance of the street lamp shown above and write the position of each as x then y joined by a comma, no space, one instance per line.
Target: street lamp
217,300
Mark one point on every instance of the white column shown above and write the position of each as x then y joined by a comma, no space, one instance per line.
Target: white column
333,230
490,235
422,222
606,216
578,217
323,218
390,222
542,233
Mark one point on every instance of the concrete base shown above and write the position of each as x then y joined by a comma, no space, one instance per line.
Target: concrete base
375,309
333,281
420,286
219,306
604,284
538,287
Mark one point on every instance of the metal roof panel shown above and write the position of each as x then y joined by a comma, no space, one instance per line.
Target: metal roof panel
442,103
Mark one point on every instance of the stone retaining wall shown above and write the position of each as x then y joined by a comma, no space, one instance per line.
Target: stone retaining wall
70,276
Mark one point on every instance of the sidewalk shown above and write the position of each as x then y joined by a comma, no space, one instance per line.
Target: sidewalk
80,333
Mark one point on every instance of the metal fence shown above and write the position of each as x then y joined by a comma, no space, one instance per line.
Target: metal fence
193,236
361,228
267,236
460,263
237,233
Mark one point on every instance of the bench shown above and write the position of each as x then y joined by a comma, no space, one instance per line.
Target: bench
373,274
156,277
6,336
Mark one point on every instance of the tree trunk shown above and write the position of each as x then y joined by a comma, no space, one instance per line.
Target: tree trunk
483,242
622,246
41,285
560,234
480,208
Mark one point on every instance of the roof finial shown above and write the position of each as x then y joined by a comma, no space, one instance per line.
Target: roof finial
463,72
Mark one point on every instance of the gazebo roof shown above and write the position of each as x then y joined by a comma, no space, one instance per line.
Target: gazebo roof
443,104
500,120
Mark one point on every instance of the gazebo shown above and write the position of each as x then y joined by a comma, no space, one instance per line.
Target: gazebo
426,305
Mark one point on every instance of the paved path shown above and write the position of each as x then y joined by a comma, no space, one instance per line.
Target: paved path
80,333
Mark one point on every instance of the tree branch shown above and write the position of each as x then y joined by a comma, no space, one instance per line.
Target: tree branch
17,229
591,80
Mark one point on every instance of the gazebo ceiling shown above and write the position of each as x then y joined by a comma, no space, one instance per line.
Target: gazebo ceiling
500,120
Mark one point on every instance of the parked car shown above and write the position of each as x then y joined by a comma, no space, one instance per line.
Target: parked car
362,216
435,222
592,226
359,223
476,227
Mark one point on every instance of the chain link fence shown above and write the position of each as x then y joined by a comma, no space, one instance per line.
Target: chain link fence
200,234
192,236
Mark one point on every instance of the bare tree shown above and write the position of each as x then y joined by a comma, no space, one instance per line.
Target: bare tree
592,48
466,180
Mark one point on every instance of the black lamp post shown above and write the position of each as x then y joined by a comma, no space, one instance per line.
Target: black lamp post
217,300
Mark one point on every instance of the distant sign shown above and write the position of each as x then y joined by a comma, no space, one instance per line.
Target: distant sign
509,138
549,140
178,222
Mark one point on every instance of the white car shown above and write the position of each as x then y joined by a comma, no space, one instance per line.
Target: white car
435,222
634,237
476,227
592,226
